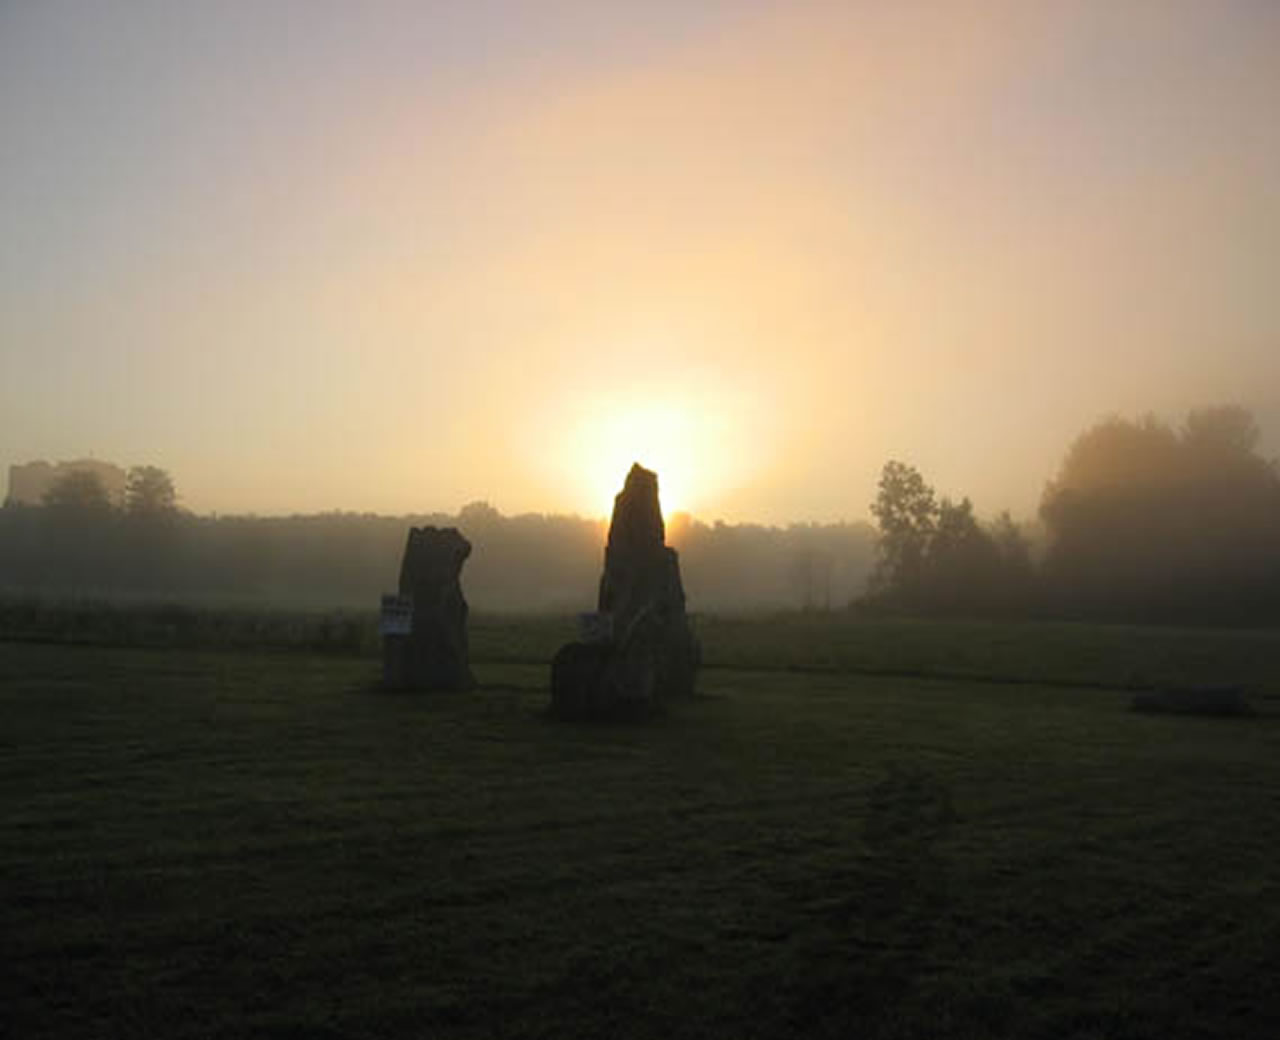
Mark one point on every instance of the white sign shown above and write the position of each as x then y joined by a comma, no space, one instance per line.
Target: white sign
397,616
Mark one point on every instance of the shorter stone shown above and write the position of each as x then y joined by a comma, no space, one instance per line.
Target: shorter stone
434,654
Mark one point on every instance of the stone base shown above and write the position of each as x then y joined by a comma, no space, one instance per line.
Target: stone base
594,681
605,681
411,662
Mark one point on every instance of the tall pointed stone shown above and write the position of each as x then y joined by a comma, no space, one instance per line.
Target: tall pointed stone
648,654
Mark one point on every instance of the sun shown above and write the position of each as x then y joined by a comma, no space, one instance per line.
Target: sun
697,438
659,437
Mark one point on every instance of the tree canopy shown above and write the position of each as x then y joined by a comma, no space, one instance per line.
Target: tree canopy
78,491
150,492
1146,519
934,555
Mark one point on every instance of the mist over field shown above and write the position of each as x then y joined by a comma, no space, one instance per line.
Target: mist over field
1144,520
522,563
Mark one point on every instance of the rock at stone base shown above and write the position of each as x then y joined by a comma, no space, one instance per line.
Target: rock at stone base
434,655
593,681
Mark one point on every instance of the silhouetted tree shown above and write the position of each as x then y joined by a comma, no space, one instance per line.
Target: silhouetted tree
478,514
1222,431
1148,521
1017,571
935,557
907,514
78,547
962,560
80,492
150,493
1117,454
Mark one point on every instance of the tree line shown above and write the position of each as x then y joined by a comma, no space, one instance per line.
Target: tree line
1144,521
77,545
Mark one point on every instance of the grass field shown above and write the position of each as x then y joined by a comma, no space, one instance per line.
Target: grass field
1113,656
856,830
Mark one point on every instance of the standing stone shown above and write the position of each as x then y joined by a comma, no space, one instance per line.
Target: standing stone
647,653
434,654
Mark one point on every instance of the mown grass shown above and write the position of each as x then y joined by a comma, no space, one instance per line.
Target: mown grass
227,844
1066,653
1071,654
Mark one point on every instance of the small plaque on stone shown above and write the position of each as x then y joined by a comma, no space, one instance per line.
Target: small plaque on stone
397,616
595,627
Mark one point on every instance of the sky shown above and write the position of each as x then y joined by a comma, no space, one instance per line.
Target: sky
312,255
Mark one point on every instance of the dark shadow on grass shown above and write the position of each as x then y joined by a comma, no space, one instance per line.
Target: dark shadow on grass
881,928
477,694
653,720
523,690
376,688
1216,702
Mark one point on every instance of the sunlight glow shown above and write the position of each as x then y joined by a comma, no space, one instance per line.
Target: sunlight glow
683,444
661,438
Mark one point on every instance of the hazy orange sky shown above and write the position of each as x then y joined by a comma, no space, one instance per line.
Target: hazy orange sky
399,256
